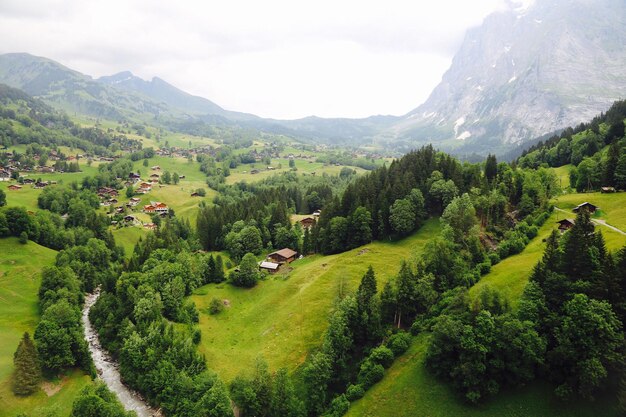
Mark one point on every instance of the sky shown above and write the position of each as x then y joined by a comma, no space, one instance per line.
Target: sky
275,58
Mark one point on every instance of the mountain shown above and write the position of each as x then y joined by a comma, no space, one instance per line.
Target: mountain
525,72
161,91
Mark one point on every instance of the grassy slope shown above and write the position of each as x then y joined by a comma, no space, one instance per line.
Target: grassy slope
409,390
283,319
409,384
128,237
20,267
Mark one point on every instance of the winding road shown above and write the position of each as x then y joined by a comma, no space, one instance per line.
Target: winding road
107,367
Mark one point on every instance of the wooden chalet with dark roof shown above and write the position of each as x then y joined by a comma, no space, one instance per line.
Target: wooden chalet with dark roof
283,256
308,222
591,208
566,224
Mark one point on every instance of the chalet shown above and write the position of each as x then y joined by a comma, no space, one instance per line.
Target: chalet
15,187
149,208
28,181
308,222
156,168
587,206
566,224
134,177
41,184
119,210
270,267
134,201
5,175
155,176
282,256
195,194
160,207
145,185
150,226
129,219
317,213
607,189
113,201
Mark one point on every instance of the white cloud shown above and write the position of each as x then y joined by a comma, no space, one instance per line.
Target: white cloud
275,58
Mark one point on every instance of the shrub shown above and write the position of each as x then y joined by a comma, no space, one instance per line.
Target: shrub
494,258
215,306
399,343
370,373
484,267
196,336
382,355
338,407
23,238
354,392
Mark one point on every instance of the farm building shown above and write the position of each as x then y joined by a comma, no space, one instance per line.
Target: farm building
587,206
271,267
15,187
308,222
607,189
282,256
566,224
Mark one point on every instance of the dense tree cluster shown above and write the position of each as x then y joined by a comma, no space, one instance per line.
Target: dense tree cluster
569,325
97,401
581,147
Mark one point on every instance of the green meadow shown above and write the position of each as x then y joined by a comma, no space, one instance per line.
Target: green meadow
20,268
283,318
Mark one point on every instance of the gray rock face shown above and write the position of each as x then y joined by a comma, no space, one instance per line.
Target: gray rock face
524,73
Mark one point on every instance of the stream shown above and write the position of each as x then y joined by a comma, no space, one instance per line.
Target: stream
108,369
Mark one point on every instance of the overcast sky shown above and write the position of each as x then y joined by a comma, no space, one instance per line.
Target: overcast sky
273,58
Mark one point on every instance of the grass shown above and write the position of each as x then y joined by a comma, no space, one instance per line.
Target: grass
284,317
409,390
612,206
128,237
305,167
562,173
20,267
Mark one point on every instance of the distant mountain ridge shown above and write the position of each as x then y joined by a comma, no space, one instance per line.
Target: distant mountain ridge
524,73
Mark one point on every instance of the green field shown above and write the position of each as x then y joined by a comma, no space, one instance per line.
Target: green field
128,237
612,206
304,166
20,267
284,317
409,390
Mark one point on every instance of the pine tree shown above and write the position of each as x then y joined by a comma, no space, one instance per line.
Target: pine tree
27,367
368,311
620,173
491,168
611,164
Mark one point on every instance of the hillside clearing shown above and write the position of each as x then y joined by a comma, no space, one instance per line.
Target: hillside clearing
284,317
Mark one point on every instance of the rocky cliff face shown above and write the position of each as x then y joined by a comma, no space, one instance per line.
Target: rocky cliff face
525,72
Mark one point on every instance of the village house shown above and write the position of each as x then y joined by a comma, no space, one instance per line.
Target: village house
317,213
149,208
195,194
155,176
607,189
160,208
134,201
129,219
566,224
283,256
308,222
15,187
270,267
156,168
587,206
150,226
134,177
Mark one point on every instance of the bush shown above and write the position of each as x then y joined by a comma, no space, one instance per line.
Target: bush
215,306
484,267
370,373
399,343
494,258
354,392
382,355
338,407
23,238
196,336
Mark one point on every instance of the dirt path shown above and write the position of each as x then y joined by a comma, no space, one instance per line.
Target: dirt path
596,221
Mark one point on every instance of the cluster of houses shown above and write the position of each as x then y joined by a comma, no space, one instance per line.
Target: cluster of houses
35,184
566,224
156,207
